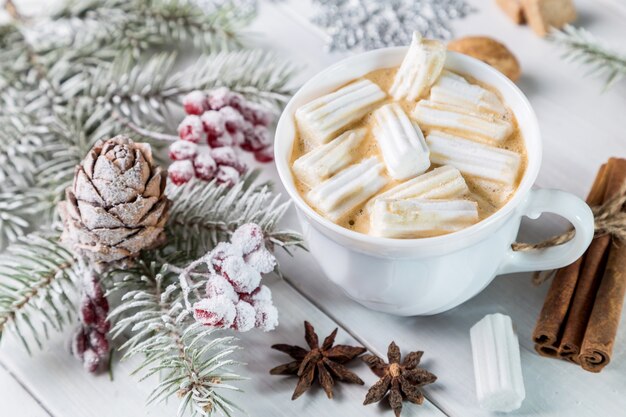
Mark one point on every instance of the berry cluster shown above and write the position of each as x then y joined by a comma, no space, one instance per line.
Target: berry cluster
226,122
89,342
235,298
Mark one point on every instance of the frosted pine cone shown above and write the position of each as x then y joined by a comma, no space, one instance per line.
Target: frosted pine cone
116,206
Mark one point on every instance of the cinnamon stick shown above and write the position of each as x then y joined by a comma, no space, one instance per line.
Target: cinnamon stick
591,272
554,312
552,319
600,335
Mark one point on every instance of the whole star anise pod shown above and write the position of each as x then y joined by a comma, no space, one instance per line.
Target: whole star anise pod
325,361
399,379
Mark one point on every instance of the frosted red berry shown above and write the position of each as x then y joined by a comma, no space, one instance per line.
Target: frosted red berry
233,120
227,155
182,150
256,114
181,172
191,129
89,342
204,166
195,103
222,97
227,175
265,155
213,124
248,237
256,139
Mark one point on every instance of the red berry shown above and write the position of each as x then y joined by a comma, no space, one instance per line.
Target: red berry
204,166
180,172
182,150
195,103
227,175
190,129
227,156
215,126
221,97
256,114
213,123
91,360
234,121
248,237
98,342
237,138
256,139
226,139
265,155
87,311
79,342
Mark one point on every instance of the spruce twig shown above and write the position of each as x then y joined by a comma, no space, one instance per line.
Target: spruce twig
203,214
582,47
37,280
192,361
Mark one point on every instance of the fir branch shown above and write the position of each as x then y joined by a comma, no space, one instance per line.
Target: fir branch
190,359
72,133
582,47
147,24
204,214
20,151
144,92
37,277
17,208
259,75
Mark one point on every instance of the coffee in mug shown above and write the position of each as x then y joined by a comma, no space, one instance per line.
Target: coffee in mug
408,152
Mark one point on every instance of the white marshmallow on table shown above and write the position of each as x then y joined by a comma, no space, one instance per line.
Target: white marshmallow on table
480,127
347,189
445,182
323,162
454,90
401,142
412,218
474,159
321,119
420,68
497,365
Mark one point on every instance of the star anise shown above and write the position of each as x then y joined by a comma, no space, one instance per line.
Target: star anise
325,361
401,380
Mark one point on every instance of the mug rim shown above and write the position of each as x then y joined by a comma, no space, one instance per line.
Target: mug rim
527,181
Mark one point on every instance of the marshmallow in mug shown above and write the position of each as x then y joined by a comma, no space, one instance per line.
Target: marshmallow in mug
396,127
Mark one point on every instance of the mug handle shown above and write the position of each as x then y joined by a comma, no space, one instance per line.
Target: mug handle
567,205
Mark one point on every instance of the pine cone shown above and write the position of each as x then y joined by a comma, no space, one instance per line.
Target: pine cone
116,206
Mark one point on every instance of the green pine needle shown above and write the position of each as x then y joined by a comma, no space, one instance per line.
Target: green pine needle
192,361
37,281
203,214
582,47
59,95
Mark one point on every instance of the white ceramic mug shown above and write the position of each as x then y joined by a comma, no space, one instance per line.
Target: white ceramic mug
431,275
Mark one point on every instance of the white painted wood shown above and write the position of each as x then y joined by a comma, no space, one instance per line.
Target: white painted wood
66,390
582,127
15,397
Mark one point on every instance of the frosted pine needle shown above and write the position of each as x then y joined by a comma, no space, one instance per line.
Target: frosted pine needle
582,47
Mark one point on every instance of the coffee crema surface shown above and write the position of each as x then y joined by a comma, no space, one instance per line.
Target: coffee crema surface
408,152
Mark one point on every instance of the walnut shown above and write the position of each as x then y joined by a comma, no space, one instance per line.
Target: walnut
490,51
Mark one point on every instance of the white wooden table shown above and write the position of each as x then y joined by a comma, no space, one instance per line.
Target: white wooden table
581,126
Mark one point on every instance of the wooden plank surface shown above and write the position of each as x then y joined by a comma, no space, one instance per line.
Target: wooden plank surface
58,380
581,128
14,394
